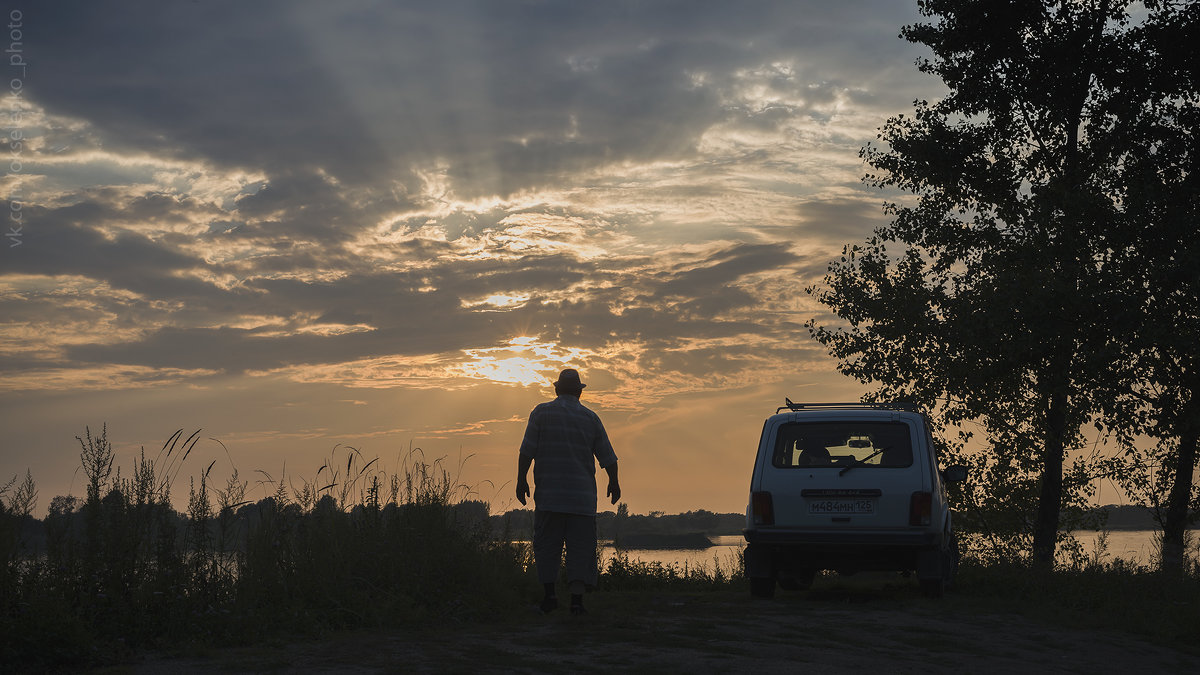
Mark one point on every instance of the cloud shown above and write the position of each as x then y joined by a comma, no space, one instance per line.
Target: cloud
506,95
78,240
387,313
268,213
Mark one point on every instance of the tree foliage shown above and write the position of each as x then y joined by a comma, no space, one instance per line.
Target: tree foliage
1154,326
992,305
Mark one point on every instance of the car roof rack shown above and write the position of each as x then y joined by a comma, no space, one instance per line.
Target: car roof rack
895,405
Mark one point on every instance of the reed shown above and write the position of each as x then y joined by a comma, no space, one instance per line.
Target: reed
353,546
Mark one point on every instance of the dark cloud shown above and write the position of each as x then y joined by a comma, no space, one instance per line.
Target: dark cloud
66,241
841,220
510,94
228,82
726,266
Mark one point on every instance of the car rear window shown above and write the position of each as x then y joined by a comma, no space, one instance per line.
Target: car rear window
835,444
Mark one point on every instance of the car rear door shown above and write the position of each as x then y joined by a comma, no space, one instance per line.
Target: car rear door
845,473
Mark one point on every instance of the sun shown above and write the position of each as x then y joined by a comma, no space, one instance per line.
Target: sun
523,360
512,370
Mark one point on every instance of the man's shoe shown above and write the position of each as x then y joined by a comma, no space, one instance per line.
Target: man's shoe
578,610
549,604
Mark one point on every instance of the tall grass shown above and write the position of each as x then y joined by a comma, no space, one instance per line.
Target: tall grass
1114,594
352,546
621,573
1088,588
357,545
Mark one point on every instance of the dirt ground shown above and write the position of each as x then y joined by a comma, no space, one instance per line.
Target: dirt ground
815,632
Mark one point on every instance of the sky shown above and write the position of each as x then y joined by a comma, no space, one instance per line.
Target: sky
305,227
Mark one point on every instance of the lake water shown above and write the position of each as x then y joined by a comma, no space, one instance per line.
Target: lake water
1139,546
1133,545
725,553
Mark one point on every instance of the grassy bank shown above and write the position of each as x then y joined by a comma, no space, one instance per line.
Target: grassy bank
349,547
1116,595
354,547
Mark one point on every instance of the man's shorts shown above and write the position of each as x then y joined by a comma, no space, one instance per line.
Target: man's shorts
551,529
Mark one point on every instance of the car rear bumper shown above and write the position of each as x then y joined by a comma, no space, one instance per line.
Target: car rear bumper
775,549
872,538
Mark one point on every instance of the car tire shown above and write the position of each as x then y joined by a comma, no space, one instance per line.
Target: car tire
952,562
936,588
762,587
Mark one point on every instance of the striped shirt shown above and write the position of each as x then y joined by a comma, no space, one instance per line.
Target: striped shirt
562,438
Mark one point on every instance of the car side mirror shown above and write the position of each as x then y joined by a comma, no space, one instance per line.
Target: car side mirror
955,474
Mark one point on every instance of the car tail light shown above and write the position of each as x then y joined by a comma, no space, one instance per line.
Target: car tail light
920,508
762,508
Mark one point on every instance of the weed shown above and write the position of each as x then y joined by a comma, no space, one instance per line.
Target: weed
619,572
122,570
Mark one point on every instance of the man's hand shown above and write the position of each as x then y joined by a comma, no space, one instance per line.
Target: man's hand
523,464
614,490
614,486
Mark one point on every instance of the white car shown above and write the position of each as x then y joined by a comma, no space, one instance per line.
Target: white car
848,487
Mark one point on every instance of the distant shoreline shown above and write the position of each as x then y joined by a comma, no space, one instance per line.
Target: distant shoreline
695,529
1128,517
663,541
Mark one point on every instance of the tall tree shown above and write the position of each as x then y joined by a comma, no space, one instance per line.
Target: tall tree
1152,150
990,305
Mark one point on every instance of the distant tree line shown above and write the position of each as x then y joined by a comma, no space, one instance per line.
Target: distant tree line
518,524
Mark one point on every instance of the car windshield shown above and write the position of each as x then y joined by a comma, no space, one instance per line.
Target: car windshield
841,444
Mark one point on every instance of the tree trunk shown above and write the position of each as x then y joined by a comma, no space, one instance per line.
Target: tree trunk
1175,520
1045,532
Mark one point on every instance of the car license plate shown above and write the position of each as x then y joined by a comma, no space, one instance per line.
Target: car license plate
840,506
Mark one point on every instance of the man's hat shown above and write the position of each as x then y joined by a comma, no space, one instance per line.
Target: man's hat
569,379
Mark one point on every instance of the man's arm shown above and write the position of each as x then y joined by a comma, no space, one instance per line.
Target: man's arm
523,463
614,487
529,450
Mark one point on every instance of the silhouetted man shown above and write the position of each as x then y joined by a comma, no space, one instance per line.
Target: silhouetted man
563,441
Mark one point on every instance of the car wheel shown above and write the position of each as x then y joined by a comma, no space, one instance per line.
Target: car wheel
762,587
936,588
951,568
